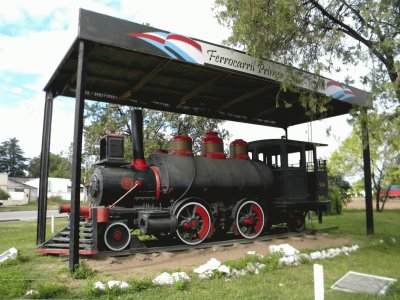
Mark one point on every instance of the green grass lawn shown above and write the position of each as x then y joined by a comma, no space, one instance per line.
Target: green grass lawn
379,254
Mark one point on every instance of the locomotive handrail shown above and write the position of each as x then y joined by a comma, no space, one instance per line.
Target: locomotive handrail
138,183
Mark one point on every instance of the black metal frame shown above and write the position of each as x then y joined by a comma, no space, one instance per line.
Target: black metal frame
83,47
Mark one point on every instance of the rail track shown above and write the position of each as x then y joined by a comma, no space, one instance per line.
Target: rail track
156,246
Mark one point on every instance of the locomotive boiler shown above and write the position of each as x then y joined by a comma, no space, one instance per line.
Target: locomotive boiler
190,198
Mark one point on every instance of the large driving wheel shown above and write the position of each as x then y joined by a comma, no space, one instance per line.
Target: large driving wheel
194,223
117,236
250,219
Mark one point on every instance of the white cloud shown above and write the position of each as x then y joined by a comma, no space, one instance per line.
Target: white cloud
25,123
192,18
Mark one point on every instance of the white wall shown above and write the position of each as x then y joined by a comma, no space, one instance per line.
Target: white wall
58,187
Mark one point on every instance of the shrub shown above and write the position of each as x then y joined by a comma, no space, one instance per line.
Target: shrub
49,290
4,195
335,197
181,285
140,285
83,271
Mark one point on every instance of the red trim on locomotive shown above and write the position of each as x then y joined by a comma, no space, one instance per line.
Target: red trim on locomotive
139,164
103,214
126,183
204,216
211,138
66,251
260,221
84,211
158,181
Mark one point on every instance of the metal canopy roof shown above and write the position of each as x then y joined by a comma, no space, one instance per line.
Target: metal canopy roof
137,65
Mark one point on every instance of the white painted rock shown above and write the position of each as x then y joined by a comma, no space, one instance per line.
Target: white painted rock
285,249
11,253
211,265
224,269
164,278
31,293
180,276
315,255
120,284
167,278
99,285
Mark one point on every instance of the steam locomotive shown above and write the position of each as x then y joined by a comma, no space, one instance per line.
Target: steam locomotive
191,198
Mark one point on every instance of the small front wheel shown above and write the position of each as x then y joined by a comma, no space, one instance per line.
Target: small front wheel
117,236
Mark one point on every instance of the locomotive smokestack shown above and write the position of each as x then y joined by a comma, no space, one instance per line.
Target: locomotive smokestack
138,161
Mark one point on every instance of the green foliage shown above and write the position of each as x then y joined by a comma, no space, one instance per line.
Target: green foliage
158,129
321,36
137,285
270,262
347,161
181,285
4,195
12,160
49,290
242,262
12,280
92,292
334,195
339,193
394,290
83,271
59,166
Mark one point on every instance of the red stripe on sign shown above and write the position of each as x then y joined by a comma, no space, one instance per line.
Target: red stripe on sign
348,92
185,40
333,83
147,36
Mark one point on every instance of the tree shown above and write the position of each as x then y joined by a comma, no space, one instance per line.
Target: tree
4,195
59,166
385,154
316,35
339,192
158,128
12,160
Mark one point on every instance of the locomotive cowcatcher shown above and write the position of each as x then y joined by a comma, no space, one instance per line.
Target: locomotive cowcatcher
191,198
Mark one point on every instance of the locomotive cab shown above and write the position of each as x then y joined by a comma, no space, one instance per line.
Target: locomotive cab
300,179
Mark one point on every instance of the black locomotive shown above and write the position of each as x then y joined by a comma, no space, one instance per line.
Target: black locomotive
192,198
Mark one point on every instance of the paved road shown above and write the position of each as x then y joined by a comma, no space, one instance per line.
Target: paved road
27,215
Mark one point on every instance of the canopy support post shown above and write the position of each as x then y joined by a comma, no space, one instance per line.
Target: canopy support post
44,169
77,159
367,172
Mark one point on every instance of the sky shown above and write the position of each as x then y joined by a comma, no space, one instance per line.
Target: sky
35,36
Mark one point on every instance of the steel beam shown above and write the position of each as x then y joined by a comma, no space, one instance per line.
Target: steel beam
77,159
44,169
367,173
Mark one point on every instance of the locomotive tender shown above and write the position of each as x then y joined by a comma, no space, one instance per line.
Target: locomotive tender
193,197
